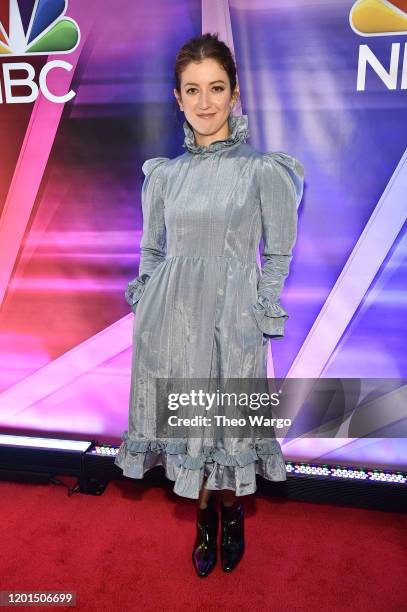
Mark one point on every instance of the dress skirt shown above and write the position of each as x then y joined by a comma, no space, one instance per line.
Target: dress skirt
203,307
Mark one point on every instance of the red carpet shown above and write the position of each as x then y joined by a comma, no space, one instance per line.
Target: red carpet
130,549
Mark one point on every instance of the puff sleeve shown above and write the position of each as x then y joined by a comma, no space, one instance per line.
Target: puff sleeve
281,190
153,242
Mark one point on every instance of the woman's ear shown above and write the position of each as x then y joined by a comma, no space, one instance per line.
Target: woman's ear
235,96
178,99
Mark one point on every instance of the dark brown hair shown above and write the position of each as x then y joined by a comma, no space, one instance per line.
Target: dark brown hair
200,47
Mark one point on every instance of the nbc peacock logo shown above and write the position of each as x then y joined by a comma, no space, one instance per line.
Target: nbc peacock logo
36,27
379,17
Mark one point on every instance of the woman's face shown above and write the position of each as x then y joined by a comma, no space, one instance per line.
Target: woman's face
206,100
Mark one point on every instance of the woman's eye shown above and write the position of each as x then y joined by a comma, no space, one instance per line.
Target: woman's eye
217,87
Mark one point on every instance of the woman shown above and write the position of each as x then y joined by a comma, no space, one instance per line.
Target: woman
204,310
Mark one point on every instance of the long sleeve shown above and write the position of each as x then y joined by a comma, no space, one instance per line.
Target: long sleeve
281,190
153,242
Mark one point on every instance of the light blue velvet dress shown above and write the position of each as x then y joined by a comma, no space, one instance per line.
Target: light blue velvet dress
203,308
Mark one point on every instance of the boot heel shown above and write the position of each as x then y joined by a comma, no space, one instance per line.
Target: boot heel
232,535
205,550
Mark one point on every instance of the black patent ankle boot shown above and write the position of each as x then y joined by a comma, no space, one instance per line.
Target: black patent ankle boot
204,554
232,535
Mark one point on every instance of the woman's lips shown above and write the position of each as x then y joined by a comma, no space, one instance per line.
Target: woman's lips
207,116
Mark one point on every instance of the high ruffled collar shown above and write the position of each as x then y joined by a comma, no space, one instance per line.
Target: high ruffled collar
239,132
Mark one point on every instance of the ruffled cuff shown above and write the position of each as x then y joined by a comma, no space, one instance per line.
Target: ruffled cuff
135,290
270,317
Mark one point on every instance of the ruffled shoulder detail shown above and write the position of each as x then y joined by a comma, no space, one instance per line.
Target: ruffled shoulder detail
292,166
153,163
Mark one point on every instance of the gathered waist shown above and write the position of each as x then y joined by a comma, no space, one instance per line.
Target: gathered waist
247,262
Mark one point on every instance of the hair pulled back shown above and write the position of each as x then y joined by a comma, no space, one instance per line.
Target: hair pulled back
197,49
